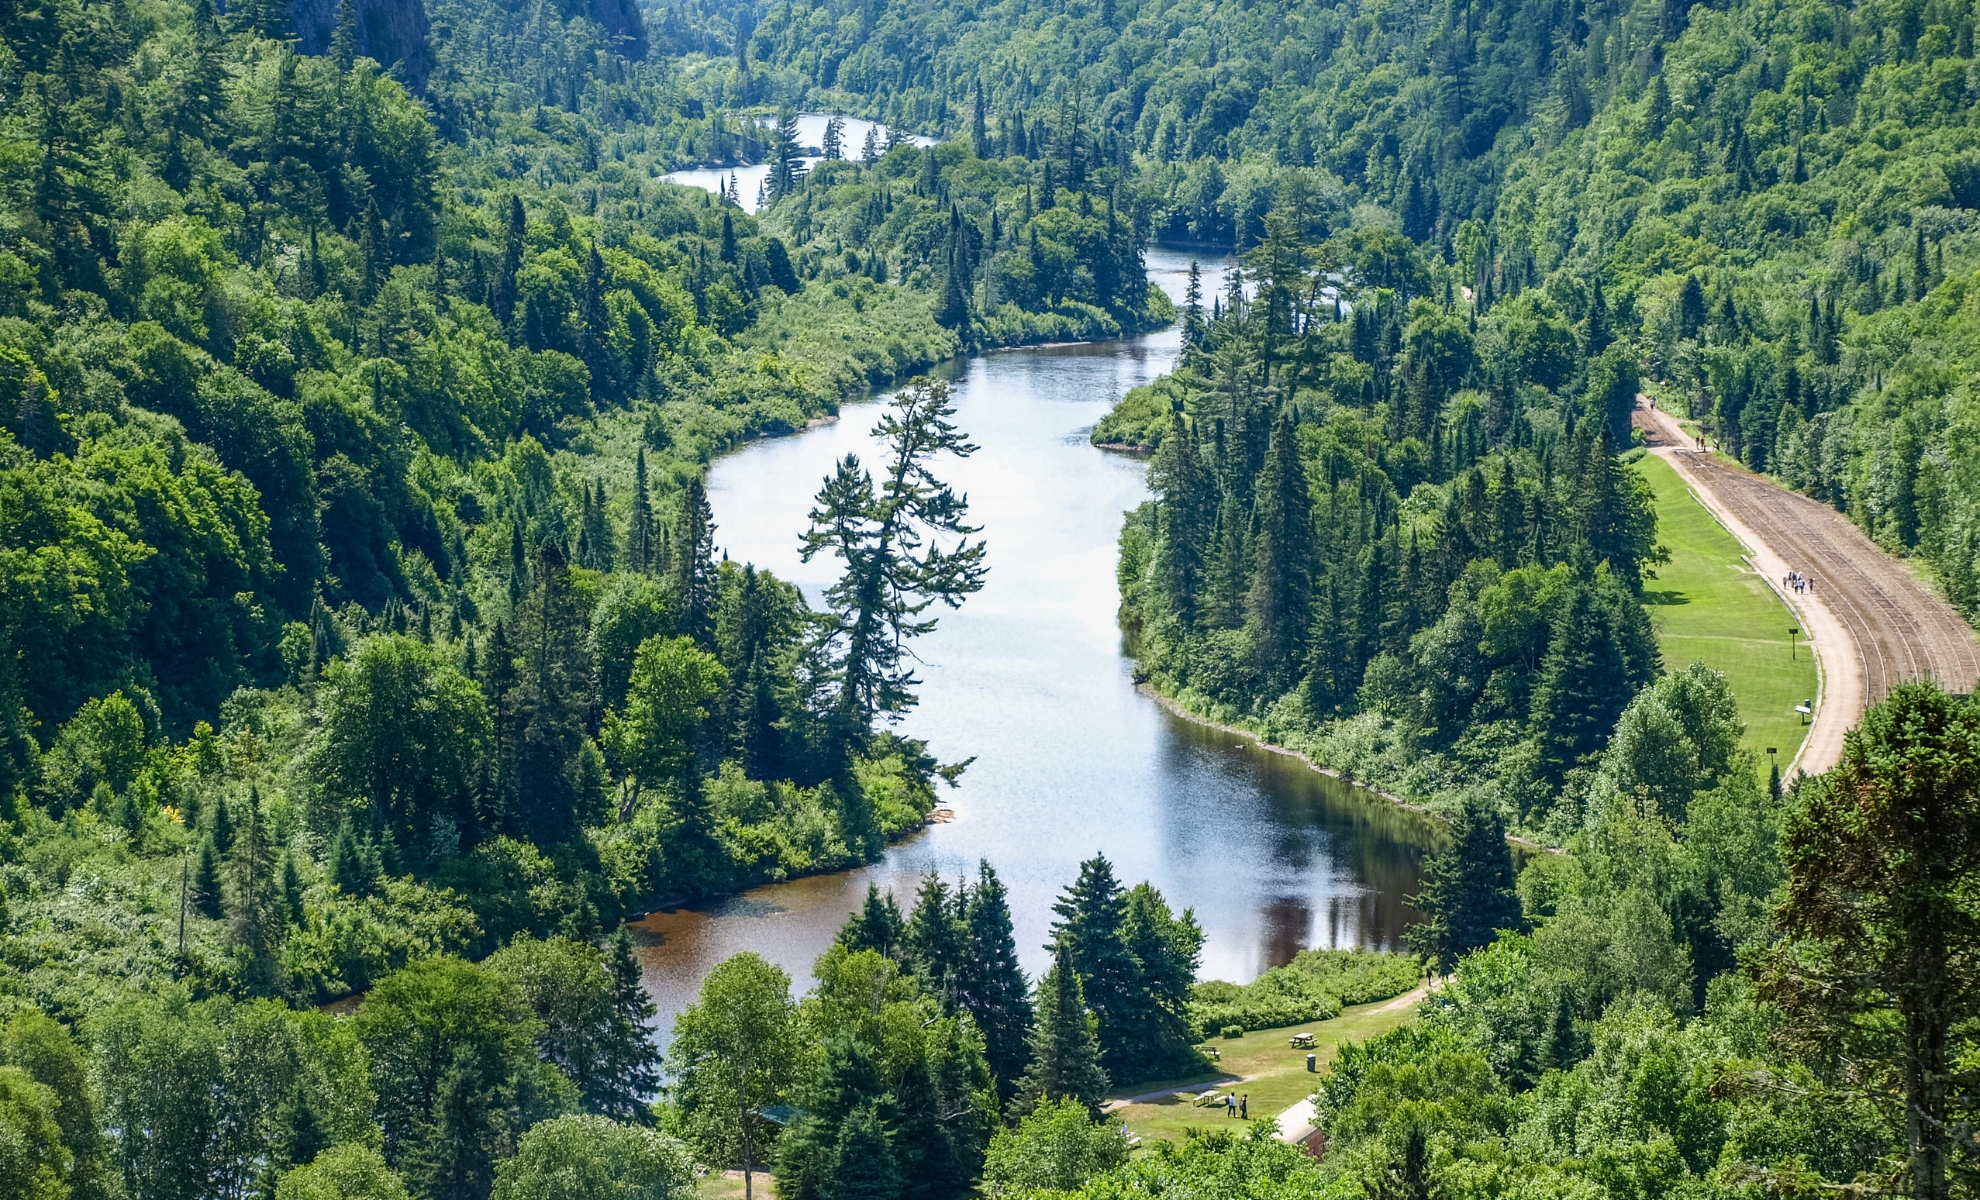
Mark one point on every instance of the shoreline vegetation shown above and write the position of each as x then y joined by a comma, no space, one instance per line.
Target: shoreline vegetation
366,634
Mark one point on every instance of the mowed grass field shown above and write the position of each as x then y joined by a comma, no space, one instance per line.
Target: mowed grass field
1272,1072
1708,604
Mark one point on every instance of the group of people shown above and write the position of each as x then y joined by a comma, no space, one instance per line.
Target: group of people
1797,582
1237,1106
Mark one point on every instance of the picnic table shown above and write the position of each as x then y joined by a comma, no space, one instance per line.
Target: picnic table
1302,1041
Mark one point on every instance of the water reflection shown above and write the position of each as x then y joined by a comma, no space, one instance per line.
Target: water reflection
1029,677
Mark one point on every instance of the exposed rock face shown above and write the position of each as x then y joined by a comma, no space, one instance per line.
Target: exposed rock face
390,31
619,19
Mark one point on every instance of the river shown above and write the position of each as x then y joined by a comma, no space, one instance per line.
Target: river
1030,677
747,179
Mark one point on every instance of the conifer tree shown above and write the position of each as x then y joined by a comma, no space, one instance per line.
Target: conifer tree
207,898
1167,948
863,1165
989,982
257,899
553,702
343,42
1187,515
373,251
223,826
935,939
1598,335
750,707
352,866
1467,892
877,926
892,568
1584,682
1281,598
692,581
1192,313
979,127
503,300
1092,914
639,528
631,1059
1921,277
594,322
1065,1051
1229,566
292,891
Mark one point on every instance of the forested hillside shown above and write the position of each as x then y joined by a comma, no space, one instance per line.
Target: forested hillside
368,642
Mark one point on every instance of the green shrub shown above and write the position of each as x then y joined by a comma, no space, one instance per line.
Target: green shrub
1233,1031
1315,986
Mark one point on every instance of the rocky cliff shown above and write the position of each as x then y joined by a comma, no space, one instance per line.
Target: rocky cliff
391,31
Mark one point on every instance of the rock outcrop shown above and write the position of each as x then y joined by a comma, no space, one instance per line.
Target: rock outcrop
391,31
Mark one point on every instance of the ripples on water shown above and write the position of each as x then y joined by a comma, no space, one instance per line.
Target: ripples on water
1030,677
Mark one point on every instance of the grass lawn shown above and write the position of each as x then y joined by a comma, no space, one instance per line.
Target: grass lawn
728,1185
1708,604
1274,1073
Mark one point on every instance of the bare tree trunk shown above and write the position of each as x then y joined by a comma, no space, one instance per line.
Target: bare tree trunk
1925,1098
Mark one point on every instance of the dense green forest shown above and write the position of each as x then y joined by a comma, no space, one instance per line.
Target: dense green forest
367,636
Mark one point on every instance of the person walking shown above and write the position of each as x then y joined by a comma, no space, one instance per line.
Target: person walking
1230,1105
1244,1107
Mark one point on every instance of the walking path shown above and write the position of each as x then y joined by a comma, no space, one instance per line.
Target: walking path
1872,624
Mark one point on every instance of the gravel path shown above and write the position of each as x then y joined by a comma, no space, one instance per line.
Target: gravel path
1873,624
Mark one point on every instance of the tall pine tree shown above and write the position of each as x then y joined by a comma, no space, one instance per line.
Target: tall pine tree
989,982
1281,597
692,580
1467,892
1065,1050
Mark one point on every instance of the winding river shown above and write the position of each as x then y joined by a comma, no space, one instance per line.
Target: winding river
1029,676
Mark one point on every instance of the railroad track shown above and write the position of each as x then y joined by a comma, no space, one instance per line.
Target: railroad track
1874,624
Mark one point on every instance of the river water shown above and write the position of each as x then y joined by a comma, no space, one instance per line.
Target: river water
747,180
1030,677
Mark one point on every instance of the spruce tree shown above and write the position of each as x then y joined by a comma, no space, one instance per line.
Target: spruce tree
693,577
1065,1051
989,981
631,1057
1092,913
257,899
554,691
503,300
1467,892
1187,516
500,683
207,898
934,939
1583,684
1168,948
1281,598
862,1165
639,528
1598,335
343,41
292,891
1192,313
877,926
223,826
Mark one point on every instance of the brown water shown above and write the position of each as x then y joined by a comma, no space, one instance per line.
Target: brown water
1029,676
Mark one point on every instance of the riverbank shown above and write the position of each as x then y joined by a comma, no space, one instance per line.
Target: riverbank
1258,739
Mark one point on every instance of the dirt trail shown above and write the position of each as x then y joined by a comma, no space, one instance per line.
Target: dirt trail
1873,624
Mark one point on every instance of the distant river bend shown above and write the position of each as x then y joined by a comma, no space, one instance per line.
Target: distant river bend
1030,677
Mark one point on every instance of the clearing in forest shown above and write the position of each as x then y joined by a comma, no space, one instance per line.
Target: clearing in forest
1707,603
